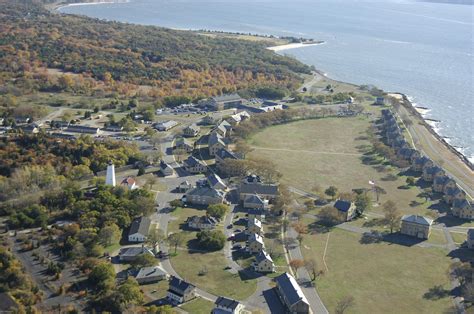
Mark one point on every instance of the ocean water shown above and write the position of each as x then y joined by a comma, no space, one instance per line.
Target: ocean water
423,49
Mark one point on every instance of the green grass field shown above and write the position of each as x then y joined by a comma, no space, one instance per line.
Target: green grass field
198,306
206,270
155,291
382,277
328,152
458,237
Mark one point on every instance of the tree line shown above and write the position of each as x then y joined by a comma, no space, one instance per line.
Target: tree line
95,54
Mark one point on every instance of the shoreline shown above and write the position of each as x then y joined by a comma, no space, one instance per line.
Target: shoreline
55,7
418,112
429,124
294,46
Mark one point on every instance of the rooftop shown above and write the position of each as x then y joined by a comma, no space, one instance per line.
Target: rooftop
193,161
263,256
215,179
224,153
441,180
140,225
152,271
215,138
179,286
290,288
202,220
453,191
461,203
182,141
342,205
134,251
256,211
205,191
434,170
254,222
193,127
128,181
226,303
255,238
254,199
421,220
227,98
422,160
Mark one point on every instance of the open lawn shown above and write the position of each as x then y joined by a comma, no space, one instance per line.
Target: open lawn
335,151
382,277
206,270
198,306
459,237
155,291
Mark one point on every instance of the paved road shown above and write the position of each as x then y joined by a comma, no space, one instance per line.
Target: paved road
308,85
303,277
234,267
434,149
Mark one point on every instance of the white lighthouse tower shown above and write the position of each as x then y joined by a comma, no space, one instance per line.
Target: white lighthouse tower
110,177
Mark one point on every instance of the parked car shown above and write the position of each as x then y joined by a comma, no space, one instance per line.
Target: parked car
238,230
237,246
229,226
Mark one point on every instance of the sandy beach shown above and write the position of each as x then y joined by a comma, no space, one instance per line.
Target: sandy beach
293,46
58,6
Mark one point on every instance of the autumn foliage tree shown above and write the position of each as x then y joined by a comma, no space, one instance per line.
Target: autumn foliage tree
296,264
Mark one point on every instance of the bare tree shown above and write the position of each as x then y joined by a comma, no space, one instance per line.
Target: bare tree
343,304
175,239
392,216
378,191
156,139
155,237
312,268
179,154
154,158
151,181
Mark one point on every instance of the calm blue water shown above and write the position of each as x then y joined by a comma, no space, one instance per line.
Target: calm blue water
422,49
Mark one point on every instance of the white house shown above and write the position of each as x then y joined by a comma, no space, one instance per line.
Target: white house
224,305
139,230
255,243
254,226
180,291
129,183
150,275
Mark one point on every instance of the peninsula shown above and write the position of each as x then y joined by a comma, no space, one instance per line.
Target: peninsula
145,169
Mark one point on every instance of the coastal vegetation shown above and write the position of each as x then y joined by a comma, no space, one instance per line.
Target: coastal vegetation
107,208
95,56
39,163
14,281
